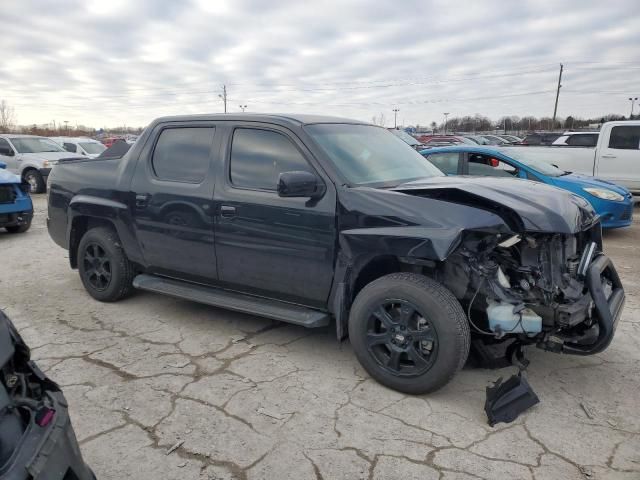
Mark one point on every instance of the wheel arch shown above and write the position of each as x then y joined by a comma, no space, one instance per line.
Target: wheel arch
87,212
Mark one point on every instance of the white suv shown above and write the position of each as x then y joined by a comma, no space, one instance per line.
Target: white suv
85,146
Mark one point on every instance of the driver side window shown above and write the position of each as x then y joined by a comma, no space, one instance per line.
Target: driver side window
258,157
488,166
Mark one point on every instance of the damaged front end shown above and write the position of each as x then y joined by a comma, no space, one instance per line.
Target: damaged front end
37,440
557,291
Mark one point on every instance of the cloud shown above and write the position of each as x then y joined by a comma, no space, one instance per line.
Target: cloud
112,63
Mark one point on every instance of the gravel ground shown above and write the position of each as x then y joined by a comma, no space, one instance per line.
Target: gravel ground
244,397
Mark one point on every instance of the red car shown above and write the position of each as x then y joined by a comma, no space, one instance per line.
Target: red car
108,142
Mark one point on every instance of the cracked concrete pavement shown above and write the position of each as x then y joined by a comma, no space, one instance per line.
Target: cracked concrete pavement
247,398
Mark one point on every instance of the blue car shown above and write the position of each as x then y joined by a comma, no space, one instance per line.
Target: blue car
612,202
16,209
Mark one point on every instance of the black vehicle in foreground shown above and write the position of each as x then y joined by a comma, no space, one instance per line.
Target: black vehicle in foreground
36,437
306,219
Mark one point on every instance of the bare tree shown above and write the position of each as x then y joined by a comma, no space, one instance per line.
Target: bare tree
7,116
379,120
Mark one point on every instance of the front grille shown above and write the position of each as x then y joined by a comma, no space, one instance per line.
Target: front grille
628,212
7,194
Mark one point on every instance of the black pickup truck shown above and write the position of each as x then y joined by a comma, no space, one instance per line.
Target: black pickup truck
309,219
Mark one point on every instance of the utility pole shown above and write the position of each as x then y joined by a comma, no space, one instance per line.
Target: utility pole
223,96
242,107
555,109
446,114
395,117
633,101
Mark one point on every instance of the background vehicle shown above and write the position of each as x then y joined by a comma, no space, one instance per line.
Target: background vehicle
308,218
443,139
540,138
495,140
405,137
16,209
510,138
577,139
615,158
478,139
613,203
81,145
109,141
37,440
31,157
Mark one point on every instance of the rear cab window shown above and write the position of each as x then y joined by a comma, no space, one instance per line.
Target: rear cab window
182,154
586,140
258,157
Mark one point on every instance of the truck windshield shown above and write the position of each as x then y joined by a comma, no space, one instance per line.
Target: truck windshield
35,145
369,155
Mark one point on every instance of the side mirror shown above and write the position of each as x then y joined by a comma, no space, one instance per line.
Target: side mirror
3,165
300,184
6,151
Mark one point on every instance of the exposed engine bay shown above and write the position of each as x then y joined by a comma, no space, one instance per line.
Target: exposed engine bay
535,287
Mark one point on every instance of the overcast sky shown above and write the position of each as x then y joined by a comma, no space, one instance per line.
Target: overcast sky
119,62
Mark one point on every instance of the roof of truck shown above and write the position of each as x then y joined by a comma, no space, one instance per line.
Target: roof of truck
299,119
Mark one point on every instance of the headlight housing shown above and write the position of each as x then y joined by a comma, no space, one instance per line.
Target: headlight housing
605,194
49,163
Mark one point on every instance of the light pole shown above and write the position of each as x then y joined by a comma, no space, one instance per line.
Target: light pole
395,117
633,101
242,107
446,114
223,96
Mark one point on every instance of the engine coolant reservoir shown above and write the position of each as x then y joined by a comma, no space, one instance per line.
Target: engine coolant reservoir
509,318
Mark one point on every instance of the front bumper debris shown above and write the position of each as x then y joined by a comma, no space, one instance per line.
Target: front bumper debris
607,308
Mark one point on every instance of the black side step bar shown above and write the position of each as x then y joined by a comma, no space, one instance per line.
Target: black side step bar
239,302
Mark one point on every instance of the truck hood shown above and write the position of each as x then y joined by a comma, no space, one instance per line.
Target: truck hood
45,155
8,177
522,204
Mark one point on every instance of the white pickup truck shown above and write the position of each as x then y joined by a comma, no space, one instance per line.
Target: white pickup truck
616,156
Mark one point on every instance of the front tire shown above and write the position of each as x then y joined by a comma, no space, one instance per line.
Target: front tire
409,332
35,181
105,271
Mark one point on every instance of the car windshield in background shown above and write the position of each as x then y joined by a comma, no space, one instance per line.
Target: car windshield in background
35,145
92,147
369,155
537,165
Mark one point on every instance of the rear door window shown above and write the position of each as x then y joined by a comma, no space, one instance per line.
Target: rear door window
625,138
447,162
70,147
258,157
182,154
586,140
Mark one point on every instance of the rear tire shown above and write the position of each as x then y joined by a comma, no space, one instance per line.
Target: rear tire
35,180
105,271
409,332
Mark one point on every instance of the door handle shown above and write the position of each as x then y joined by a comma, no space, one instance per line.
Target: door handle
142,200
608,156
227,211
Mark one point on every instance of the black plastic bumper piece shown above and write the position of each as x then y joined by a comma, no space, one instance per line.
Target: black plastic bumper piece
49,453
15,219
505,401
607,310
